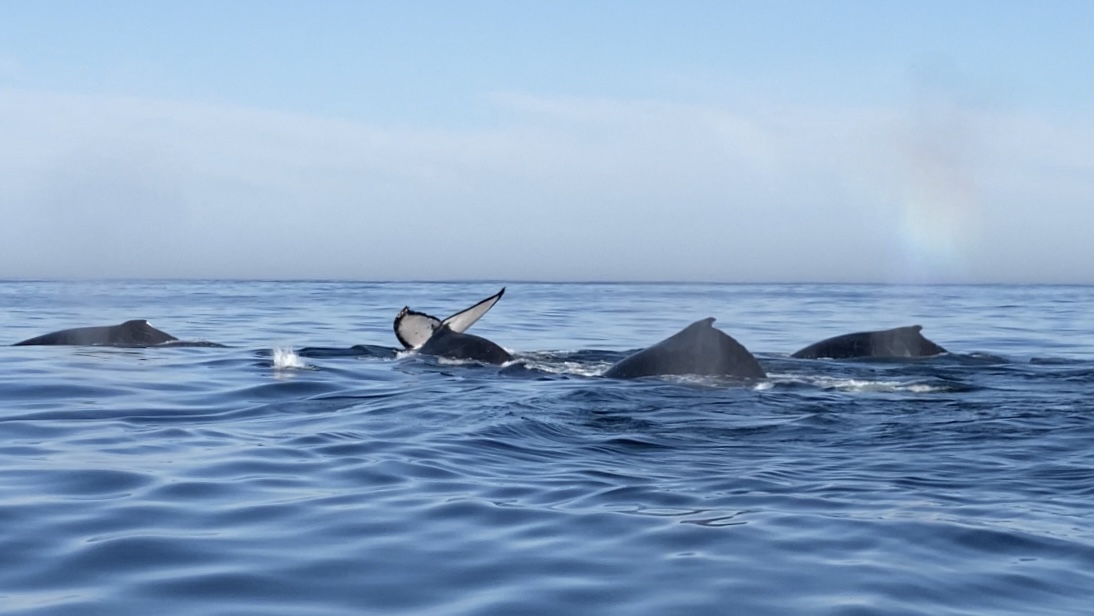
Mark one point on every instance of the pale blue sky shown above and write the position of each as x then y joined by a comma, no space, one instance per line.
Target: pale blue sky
875,141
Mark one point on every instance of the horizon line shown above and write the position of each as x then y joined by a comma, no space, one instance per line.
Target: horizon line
7,280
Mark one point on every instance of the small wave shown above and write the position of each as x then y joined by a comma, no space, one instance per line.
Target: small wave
366,351
857,385
566,367
569,363
715,381
454,361
287,359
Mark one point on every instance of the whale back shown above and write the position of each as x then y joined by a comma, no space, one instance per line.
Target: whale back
697,349
456,345
137,332
896,342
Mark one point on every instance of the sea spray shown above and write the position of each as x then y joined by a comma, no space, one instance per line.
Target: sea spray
287,359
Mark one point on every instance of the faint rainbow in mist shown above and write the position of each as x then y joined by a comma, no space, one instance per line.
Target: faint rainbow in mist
941,218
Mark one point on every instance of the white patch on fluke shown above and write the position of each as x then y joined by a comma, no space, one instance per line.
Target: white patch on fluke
414,328
464,319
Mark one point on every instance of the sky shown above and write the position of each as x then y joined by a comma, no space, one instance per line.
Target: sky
722,141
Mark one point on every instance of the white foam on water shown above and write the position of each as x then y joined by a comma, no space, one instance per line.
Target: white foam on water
568,367
882,386
856,385
287,359
550,363
452,361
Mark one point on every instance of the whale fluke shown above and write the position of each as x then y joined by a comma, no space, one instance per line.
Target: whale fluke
698,349
896,342
414,328
431,336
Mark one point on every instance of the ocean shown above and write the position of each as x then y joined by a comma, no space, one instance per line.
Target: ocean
269,478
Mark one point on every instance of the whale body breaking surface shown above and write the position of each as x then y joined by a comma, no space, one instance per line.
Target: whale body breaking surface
896,342
698,349
132,333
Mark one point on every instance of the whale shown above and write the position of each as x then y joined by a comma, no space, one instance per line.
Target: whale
414,328
428,335
456,345
698,349
133,333
896,342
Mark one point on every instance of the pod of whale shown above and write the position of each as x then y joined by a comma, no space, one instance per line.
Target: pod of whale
896,342
699,349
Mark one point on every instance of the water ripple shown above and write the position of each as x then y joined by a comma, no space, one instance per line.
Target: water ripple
235,481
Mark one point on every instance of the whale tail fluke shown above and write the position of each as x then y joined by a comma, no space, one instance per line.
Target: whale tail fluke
414,328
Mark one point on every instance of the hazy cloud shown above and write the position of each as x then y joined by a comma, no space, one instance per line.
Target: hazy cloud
556,188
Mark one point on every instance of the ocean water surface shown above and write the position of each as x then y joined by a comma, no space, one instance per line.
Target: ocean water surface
268,477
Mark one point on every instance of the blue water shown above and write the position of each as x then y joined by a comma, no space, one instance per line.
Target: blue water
257,480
